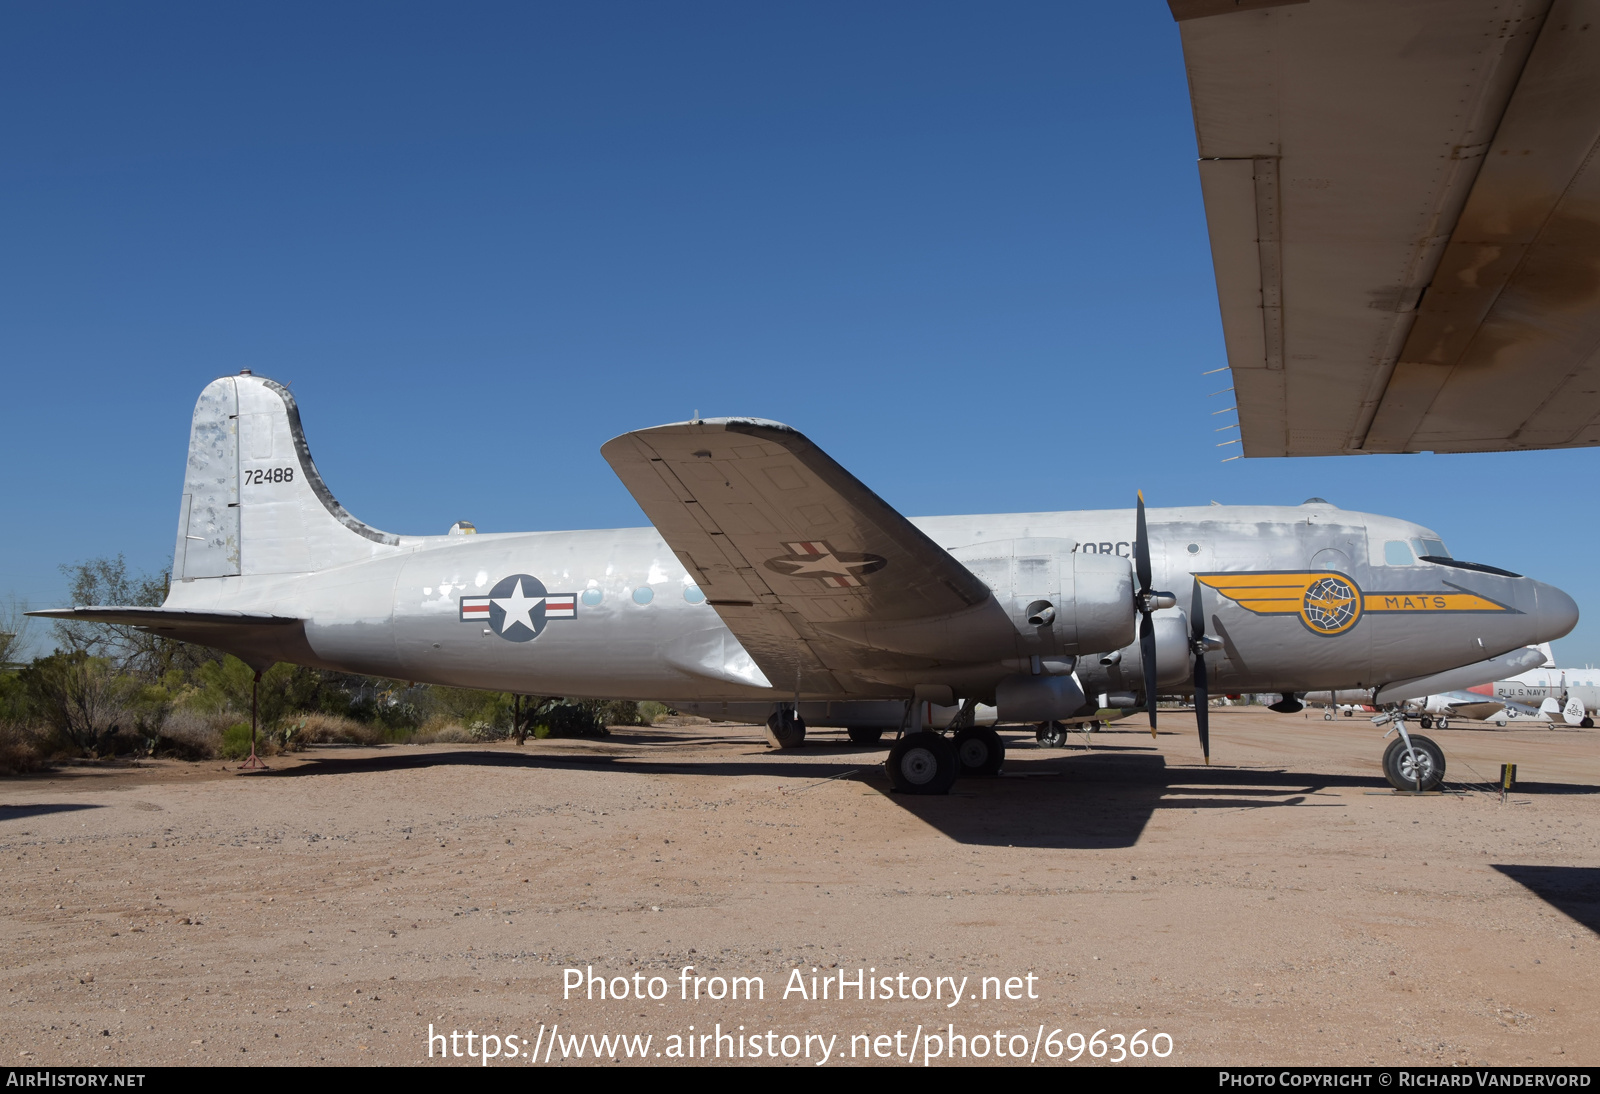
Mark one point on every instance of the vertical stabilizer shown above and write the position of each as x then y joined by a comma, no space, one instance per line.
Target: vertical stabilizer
208,519
253,502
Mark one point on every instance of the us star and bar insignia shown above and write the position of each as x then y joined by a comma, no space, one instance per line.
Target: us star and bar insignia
816,559
518,608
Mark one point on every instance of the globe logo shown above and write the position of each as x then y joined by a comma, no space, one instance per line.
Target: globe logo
1332,605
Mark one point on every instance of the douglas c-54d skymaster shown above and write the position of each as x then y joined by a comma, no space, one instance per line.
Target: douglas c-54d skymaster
774,576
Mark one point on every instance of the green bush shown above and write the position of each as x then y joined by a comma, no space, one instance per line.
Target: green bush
574,719
236,741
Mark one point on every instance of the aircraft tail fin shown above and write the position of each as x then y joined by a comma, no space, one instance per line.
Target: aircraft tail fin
253,502
1549,656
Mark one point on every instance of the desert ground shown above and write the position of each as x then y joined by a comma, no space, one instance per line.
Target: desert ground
1282,906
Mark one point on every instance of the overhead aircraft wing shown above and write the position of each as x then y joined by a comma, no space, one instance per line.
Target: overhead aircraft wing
791,549
1404,213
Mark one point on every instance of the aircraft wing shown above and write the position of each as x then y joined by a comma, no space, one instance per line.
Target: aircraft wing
792,551
1404,212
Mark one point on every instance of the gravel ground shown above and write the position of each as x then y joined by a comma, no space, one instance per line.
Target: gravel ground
1279,907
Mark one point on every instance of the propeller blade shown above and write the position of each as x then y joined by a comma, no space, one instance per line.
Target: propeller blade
1141,549
1147,656
1202,705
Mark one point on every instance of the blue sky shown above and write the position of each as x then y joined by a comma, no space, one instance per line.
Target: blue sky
961,246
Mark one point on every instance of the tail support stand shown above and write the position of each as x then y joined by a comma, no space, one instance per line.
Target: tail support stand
254,762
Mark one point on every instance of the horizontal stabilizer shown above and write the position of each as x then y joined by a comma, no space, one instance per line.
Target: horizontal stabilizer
162,618
257,638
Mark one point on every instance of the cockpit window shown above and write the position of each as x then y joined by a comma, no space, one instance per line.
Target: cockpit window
1430,547
1479,567
1398,553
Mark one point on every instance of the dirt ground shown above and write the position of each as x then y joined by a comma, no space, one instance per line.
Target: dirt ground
1280,907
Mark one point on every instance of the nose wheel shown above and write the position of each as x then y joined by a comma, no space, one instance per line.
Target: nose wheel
1422,768
1411,762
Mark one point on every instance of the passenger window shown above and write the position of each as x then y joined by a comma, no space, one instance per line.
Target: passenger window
1397,553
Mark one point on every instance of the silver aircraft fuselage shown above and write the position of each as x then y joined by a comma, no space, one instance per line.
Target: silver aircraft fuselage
774,575
639,627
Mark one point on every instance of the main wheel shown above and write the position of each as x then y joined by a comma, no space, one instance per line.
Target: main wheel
1426,722
981,752
1348,713
786,729
1587,723
864,735
1425,774
1051,735
1327,716
1442,723
922,763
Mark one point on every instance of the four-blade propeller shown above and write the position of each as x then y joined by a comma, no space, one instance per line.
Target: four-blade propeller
1146,601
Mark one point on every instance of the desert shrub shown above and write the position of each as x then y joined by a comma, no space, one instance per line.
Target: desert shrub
439,730
651,712
619,712
571,719
22,749
225,685
24,745
235,743
191,735
317,728
79,696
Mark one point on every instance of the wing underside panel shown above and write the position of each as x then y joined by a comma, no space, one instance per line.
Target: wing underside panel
1404,214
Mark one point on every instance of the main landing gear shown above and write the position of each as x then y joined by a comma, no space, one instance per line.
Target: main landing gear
786,729
1411,762
929,762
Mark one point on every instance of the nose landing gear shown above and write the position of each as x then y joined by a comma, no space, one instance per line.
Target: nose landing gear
1411,762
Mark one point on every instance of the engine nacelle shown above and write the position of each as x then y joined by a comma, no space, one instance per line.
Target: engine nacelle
1123,669
1037,698
1060,601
